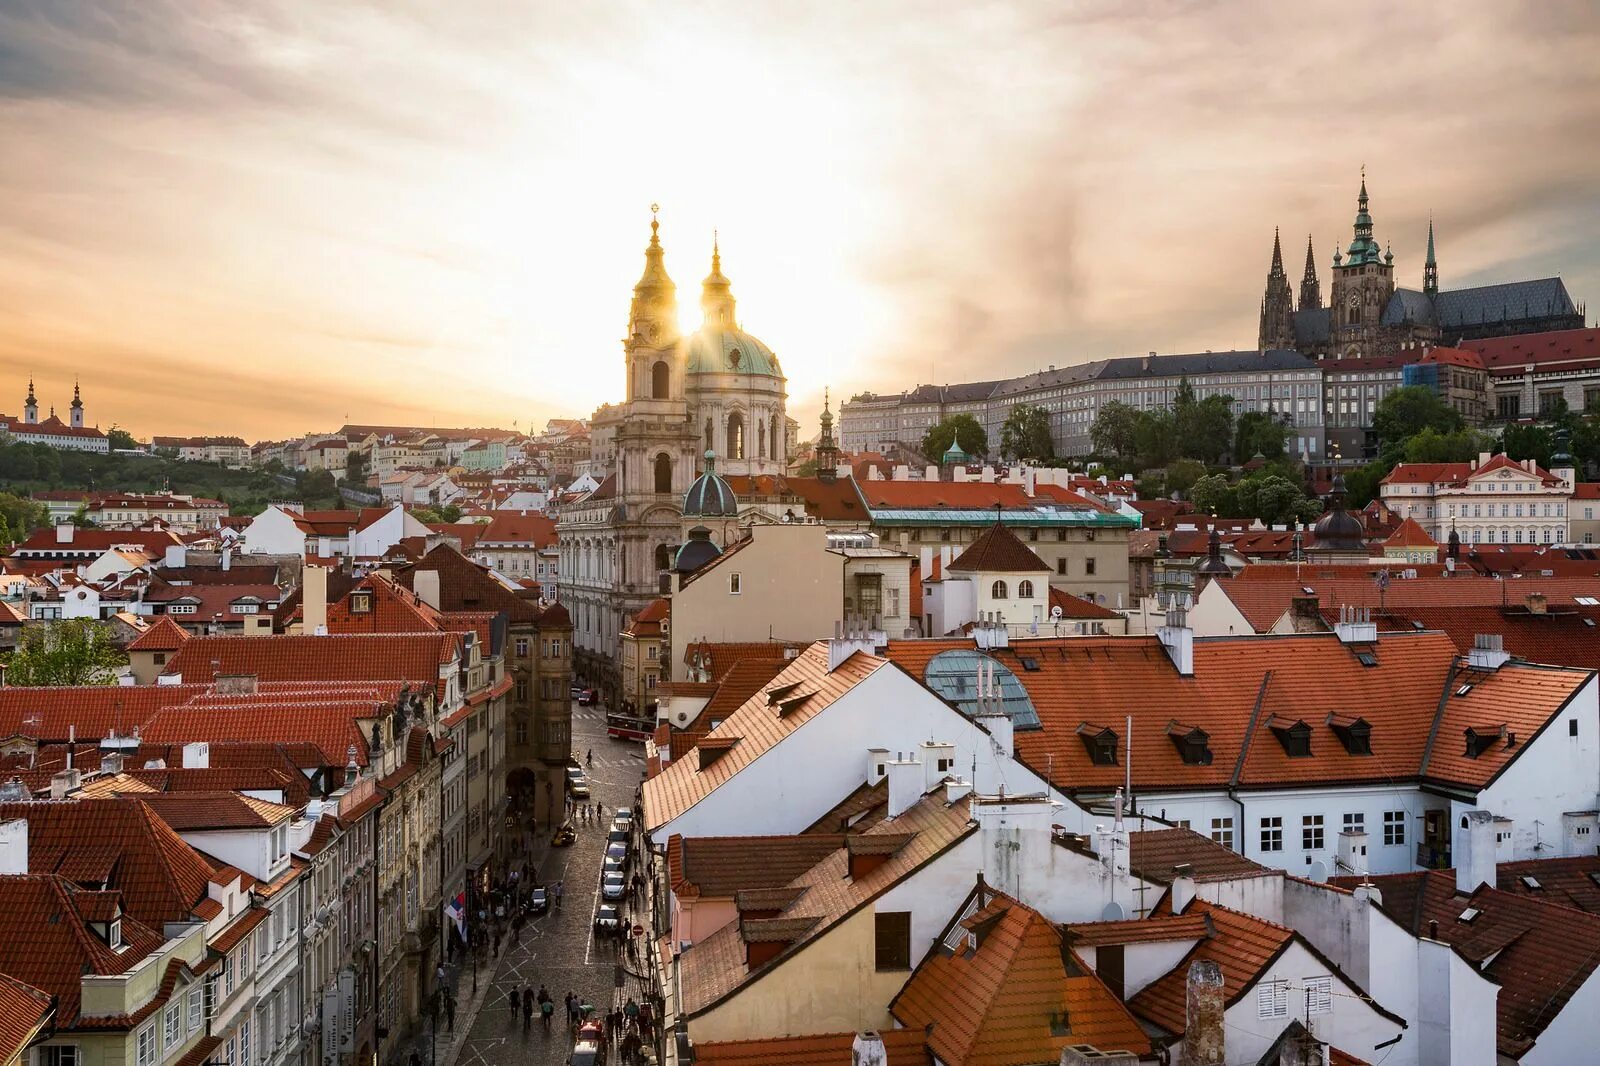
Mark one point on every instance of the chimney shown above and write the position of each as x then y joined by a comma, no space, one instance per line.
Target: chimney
944,557
955,789
14,847
111,762
1474,848
1183,887
1203,1016
176,555
1178,639
867,1050
1305,608
425,583
848,638
65,782
314,601
905,783
1089,1055
938,762
931,473
234,684
196,755
64,533
1353,851
877,765
1488,652
1015,837
227,558
1536,603
1355,625
926,562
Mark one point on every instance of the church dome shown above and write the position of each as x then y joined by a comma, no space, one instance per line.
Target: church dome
696,552
1338,529
710,496
715,349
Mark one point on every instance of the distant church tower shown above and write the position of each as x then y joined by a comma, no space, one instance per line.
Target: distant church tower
827,448
1362,285
1277,306
30,406
77,407
1430,269
1310,287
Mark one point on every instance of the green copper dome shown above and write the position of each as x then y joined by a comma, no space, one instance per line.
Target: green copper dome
710,496
724,350
954,454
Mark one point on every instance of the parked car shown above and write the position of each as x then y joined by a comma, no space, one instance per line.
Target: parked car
539,900
577,783
589,1049
611,865
578,690
617,851
608,919
587,697
617,836
623,818
613,886
563,835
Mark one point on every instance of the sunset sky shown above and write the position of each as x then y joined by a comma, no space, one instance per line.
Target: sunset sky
263,218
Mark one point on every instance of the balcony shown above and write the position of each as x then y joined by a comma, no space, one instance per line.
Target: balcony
1433,857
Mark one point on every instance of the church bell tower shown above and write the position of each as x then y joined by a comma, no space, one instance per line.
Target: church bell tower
1277,306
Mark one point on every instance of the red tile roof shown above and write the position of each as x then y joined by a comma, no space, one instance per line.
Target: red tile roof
904,1047
1077,607
24,1011
518,528
45,942
333,727
120,844
722,866
1243,947
1561,349
188,811
163,635
998,1004
1410,535
93,711
414,658
997,550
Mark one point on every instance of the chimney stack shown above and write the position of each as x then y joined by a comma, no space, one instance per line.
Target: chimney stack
1537,603
314,601
1474,851
425,583
1183,887
905,783
1204,1011
14,847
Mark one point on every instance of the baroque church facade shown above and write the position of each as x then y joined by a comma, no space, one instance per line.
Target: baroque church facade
1368,315
715,397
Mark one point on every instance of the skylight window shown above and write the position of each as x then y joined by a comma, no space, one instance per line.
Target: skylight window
1366,658
953,675
1469,914
1531,882
1464,689
1587,601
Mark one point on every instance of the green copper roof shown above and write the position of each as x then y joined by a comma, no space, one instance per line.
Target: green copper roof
710,350
954,454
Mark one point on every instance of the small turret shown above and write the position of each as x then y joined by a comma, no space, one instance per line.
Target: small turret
716,292
827,449
30,406
1430,269
77,407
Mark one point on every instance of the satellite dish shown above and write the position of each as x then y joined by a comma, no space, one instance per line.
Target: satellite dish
1055,612
1318,872
1113,912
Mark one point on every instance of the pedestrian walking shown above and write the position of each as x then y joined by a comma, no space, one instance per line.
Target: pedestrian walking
416,1060
558,890
450,1013
590,758
527,1009
572,1010
547,1010
630,1010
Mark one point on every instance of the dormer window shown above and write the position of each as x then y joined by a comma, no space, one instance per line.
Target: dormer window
1354,733
1100,742
114,934
1481,738
1192,742
1294,736
361,601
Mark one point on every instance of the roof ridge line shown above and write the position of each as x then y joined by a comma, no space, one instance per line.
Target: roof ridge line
1250,731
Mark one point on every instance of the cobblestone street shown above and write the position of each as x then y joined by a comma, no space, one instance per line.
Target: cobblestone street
558,950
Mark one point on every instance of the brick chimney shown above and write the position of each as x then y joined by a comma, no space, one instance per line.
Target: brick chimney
1537,604
1203,1012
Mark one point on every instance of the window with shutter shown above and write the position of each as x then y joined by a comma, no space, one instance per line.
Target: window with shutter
893,940
1319,995
1272,999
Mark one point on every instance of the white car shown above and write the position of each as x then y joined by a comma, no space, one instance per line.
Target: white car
623,819
618,851
614,886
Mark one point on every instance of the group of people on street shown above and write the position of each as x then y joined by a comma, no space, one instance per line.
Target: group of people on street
529,1002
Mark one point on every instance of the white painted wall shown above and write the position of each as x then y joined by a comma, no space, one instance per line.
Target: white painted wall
274,532
1456,1011
1214,615
1556,772
1569,1038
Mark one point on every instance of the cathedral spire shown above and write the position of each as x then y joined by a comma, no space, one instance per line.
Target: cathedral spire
827,448
1310,288
1363,249
654,315
716,292
1277,305
1430,269
1277,254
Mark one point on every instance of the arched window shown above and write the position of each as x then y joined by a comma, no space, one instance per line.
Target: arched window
663,557
998,590
660,380
761,438
710,443
777,453
1025,590
663,472
736,436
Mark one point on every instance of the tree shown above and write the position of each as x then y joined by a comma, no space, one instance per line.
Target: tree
1115,430
1409,410
1431,446
1275,500
450,514
355,470
73,651
1183,473
121,439
1214,494
318,485
1361,484
1528,442
21,516
964,430
1026,434
1259,433
81,519
1205,427
1156,434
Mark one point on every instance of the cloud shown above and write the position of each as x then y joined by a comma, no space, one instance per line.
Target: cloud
262,217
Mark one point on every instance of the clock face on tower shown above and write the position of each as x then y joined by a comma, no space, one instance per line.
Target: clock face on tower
1355,300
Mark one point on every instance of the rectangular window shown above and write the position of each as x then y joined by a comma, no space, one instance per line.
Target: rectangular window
892,939
56,1055
1222,831
148,1052
1355,823
735,584
1272,999
1272,834
1061,566
1088,566
1311,832
1319,995
1394,827
172,1033
196,1009
522,647
244,1042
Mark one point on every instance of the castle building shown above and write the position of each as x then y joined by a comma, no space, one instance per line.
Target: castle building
717,391
1367,315
71,435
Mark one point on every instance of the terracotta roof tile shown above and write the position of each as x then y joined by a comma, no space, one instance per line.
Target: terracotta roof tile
415,658
1152,930
904,1047
215,810
1153,853
163,635
24,1011
997,550
721,866
1242,946
1517,700
994,1005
